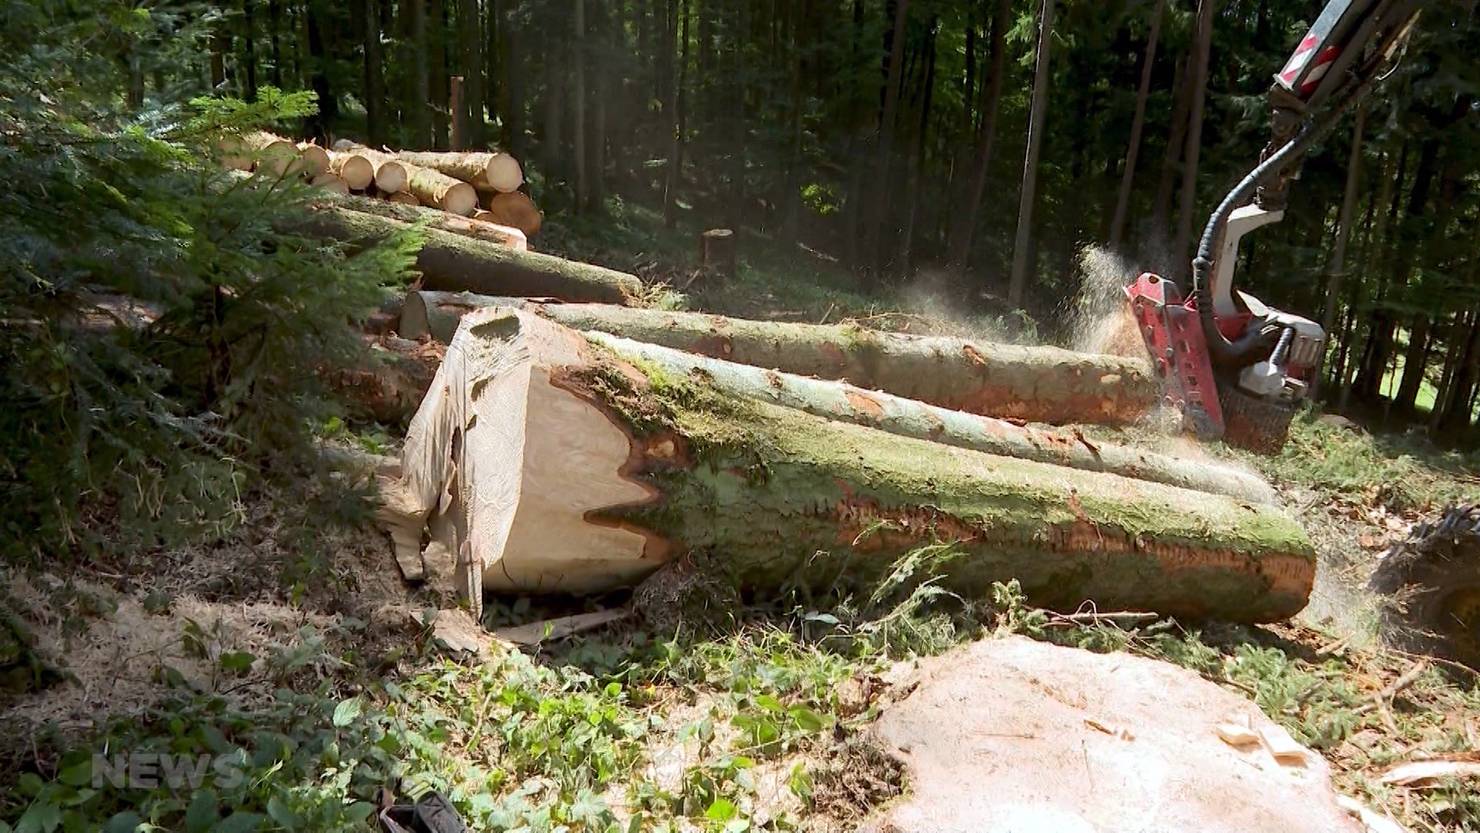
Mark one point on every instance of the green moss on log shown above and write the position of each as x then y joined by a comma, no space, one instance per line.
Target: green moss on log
452,262
786,497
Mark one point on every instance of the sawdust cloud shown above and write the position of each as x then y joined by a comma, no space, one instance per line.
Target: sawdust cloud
1099,319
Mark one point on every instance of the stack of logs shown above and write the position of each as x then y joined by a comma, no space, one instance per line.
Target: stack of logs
482,187
569,446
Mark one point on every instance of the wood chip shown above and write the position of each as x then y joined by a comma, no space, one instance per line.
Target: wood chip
1426,773
1283,748
552,629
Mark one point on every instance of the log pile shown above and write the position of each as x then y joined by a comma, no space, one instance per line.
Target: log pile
552,461
476,194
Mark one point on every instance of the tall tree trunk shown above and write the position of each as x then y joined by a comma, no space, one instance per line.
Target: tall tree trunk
419,107
791,193
598,61
1375,368
917,154
1415,362
374,76
321,125
965,228
470,32
249,49
1161,208
884,147
1138,123
275,25
1206,11
1336,266
578,103
1455,418
436,44
1022,245
673,175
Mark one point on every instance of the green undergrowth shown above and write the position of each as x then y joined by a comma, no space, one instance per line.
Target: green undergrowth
1401,471
774,282
630,730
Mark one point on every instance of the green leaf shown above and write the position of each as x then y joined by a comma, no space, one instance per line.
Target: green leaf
722,809
806,719
347,712
121,823
282,813
202,812
239,823
769,703
40,817
237,662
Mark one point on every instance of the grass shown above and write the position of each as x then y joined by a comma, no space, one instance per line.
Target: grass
1402,471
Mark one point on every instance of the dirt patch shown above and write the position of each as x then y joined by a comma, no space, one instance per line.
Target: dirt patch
1015,735
236,618
855,780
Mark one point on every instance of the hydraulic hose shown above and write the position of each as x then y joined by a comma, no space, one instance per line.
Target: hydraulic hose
1245,351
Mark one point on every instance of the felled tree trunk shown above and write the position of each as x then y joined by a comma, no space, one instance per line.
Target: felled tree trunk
451,261
497,172
842,402
547,464
1038,384
391,175
389,386
464,226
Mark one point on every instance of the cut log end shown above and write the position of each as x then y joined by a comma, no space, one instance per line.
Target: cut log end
504,173
391,177
354,169
553,460
313,159
330,182
460,199
518,210
400,197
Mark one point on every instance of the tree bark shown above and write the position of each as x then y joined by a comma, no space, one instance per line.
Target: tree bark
842,402
1336,266
419,106
321,124
437,50
453,262
1138,123
673,171
1415,362
578,104
884,161
1206,11
1037,384
965,229
577,471
486,230
374,75
470,33
1022,244
497,172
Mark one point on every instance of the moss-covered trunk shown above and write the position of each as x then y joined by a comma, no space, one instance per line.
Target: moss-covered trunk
579,470
453,262
1038,384
465,226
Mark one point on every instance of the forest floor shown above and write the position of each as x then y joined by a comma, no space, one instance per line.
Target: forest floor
288,650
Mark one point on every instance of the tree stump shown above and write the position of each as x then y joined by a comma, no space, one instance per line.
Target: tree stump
717,252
